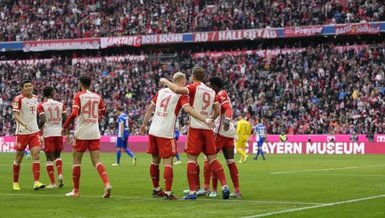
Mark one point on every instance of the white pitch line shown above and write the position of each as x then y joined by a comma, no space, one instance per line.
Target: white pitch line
148,198
315,206
351,175
326,169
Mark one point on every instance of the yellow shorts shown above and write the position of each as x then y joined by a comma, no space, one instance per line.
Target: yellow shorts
240,143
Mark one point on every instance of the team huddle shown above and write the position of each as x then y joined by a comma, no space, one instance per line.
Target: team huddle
211,129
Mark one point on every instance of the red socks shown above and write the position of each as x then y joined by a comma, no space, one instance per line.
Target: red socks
234,175
192,175
16,170
168,176
76,176
217,168
154,172
36,170
198,182
207,175
51,172
59,166
102,173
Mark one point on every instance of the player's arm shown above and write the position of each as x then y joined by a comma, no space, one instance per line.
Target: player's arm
228,114
217,110
16,115
74,112
175,88
190,110
40,111
102,109
71,117
16,107
41,120
150,110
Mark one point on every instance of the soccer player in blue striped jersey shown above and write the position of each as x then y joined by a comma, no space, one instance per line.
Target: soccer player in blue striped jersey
260,132
122,126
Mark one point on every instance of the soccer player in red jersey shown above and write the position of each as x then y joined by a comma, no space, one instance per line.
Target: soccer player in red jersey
88,107
27,133
166,106
225,134
200,137
52,115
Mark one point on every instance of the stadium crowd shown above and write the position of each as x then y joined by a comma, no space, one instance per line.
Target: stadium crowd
66,19
320,90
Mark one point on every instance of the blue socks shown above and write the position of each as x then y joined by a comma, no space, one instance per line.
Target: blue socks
129,152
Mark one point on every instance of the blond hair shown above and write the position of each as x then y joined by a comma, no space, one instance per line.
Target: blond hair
178,76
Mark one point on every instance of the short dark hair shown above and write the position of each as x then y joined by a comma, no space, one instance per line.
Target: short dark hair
48,91
119,108
216,81
24,82
198,73
85,81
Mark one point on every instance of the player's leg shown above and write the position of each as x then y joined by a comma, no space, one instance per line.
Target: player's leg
167,150
59,167
195,141
240,144
76,172
262,153
168,176
155,176
207,176
153,149
80,146
128,151
177,156
27,155
119,149
211,152
50,169
228,152
95,158
178,161
192,176
34,147
258,150
16,167
49,148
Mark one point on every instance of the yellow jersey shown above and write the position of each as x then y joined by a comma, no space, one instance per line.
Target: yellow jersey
243,129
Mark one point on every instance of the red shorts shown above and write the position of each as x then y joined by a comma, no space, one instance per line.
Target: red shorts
165,148
224,142
32,140
53,143
82,145
200,140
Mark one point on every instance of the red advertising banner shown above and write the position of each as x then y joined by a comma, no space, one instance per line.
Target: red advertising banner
357,28
134,41
302,31
62,44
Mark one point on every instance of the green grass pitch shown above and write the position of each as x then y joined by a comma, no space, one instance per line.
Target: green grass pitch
282,186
